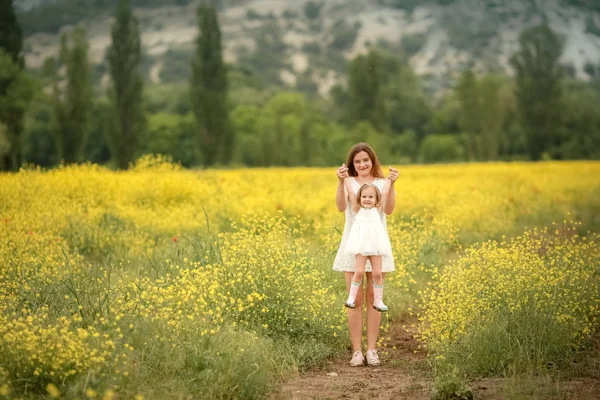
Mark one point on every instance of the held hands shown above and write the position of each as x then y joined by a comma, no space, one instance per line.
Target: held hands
342,173
393,175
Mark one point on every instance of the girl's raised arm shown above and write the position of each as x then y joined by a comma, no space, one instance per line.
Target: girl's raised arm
351,193
385,192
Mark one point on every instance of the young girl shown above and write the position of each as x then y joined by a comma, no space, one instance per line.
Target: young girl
368,239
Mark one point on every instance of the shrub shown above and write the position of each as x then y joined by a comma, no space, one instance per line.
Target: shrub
440,148
522,305
344,35
413,43
312,9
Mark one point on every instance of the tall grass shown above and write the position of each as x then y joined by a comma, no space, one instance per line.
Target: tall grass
167,283
521,306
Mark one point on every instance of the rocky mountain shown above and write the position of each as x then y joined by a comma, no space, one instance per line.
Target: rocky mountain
26,5
306,43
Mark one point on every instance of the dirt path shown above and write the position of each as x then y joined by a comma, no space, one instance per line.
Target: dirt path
405,374
402,375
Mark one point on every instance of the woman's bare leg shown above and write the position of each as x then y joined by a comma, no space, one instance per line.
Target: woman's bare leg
355,315
373,316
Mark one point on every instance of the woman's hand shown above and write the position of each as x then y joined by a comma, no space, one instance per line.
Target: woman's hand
342,173
393,174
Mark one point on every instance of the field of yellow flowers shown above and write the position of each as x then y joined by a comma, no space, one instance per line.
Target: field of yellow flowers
161,282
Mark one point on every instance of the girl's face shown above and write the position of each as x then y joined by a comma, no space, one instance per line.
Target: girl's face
368,198
363,164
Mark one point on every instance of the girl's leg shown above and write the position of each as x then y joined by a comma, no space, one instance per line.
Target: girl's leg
356,280
376,267
359,272
355,315
373,316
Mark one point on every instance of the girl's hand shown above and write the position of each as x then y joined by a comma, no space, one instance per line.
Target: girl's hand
393,174
342,173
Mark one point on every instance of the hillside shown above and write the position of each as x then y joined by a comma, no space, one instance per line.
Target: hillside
281,42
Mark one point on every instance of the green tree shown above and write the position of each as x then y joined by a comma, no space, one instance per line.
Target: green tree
39,146
539,89
4,143
470,114
484,104
11,35
249,148
128,120
445,118
209,89
73,104
365,89
96,148
280,133
171,134
285,130
18,89
441,148
11,42
408,106
495,101
405,146
327,138
581,136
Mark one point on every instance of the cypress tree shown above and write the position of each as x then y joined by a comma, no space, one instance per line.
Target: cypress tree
11,35
127,115
467,91
365,90
72,108
209,89
11,41
539,90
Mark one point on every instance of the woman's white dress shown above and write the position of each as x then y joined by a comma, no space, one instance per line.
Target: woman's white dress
345,262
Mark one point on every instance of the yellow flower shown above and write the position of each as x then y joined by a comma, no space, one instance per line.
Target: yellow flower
53,391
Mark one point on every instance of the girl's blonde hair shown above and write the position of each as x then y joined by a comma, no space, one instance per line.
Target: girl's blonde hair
376,170
359,193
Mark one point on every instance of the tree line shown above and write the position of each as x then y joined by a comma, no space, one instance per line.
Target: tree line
122,116
225,115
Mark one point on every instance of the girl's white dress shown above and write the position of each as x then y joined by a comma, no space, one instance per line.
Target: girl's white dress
345,262
367,236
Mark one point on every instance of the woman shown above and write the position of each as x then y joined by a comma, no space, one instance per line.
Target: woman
363,167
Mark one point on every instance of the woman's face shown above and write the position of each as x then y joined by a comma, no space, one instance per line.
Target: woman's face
363,164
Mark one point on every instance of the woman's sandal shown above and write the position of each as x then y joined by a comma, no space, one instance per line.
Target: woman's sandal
380,309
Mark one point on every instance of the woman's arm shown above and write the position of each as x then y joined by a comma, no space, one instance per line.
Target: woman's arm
341,195
389,202
389,199
385,194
